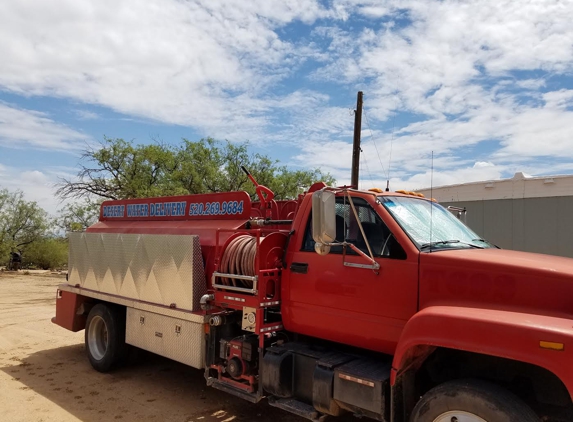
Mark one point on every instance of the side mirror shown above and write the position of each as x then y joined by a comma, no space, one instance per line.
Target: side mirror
323,217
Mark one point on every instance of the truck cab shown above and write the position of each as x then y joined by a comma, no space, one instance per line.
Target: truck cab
423,273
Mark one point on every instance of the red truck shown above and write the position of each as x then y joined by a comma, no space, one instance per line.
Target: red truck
380,304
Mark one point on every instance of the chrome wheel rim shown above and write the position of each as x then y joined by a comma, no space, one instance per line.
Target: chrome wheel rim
97,337
458,416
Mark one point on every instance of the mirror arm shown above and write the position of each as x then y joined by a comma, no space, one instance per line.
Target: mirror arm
375,265
371,257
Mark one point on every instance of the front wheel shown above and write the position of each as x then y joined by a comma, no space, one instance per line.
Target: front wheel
105,336
471,401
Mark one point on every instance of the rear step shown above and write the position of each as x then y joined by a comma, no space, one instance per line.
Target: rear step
298,408
228,388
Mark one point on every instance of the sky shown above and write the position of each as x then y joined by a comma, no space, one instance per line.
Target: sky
484,87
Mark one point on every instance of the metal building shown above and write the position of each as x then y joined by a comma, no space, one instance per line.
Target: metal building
533,214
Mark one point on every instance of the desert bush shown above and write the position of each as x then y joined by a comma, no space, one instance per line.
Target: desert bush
46,254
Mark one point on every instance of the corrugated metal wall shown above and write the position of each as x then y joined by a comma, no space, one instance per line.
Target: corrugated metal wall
542,225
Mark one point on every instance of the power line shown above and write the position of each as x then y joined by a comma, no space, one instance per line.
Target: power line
391,143
367,169
374,142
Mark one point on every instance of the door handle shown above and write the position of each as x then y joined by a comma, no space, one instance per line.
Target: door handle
299,267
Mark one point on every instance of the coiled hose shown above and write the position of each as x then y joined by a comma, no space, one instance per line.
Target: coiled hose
239,259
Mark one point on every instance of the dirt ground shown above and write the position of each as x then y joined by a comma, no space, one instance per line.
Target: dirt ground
45,375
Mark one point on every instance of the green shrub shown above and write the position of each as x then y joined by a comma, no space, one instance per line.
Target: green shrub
46,254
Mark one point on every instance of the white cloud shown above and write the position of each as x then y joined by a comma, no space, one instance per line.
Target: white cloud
20,128
532,84
197,63
36,185
559,99
482,164
86,115
538,133
524,134
333,156
452,177
465,72
411,176
454,67
34,177
451,44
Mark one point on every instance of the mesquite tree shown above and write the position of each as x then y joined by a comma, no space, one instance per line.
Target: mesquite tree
118,169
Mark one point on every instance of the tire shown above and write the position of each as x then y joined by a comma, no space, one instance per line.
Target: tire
471,401
105,337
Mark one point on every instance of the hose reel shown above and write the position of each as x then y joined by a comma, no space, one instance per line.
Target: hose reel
240,257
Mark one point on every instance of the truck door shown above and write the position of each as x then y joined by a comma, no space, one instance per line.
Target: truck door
329,299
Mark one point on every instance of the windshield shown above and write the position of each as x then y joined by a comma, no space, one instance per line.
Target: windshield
430,225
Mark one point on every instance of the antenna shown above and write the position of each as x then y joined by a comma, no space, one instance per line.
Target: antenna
431,203
390,158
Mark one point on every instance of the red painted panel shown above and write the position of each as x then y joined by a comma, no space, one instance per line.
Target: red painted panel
67,304
497,279
281,210
505,334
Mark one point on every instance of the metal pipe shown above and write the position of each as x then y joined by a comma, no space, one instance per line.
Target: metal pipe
216,320
204,301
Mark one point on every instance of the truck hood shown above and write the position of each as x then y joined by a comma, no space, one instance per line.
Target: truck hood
498,279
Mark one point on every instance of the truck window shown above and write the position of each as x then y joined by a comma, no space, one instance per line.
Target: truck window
428,223
347,229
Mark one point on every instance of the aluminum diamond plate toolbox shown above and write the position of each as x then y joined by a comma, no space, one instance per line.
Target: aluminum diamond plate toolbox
162,269
172,338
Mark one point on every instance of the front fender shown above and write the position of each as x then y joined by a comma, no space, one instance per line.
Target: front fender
505,334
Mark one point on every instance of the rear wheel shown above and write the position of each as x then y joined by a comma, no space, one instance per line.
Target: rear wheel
471,401
105,337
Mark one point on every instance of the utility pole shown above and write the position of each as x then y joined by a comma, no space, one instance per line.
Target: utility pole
356,143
